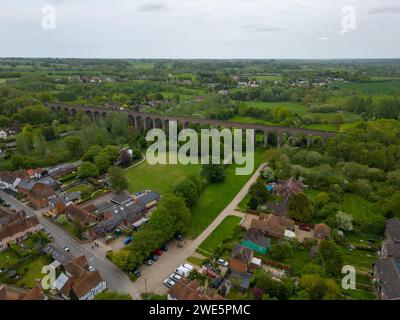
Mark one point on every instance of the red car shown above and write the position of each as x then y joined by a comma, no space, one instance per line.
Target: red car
305,228
158,252
209,273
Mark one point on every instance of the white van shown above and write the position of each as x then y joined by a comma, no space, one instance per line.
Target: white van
188,266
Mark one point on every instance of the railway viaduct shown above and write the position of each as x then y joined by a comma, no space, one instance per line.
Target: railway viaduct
144,121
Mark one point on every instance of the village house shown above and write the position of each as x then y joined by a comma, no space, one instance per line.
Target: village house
322,231
8,292
78,282
286,189
60,170
80,215
123,210
186,289
387,268
387,278
15,226
255,240
392,230
275,226
241,258
10,180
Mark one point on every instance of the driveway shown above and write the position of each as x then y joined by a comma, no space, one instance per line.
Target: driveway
152,277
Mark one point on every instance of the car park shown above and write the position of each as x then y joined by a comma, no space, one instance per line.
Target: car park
169,283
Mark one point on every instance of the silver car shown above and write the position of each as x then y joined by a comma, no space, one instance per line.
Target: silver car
175,277
169,283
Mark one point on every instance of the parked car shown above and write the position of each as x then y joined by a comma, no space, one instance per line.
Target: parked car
169,283
127,240
164,248
209,273
175,277
137,273
148,262
179,237
154,257
158,252
67,249
92,269
223,263
305,228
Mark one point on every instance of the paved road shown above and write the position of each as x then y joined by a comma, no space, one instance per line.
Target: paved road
115,278
153,276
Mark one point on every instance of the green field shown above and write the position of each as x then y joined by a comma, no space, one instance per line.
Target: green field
214,199
375,87
32,271
217,196
160,178
224,231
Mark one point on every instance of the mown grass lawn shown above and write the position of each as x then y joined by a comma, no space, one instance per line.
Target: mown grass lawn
214,199
32,271
217,196
160,178
224,231
8,258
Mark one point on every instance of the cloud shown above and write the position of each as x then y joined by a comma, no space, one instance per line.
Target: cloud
154,7
259,28
323,39
385,10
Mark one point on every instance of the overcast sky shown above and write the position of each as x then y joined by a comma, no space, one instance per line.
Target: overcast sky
202,29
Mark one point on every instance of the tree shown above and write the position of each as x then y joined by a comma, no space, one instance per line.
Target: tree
344,221
118,181
281,251
121,258
301,208
213,173
253,203
74,146
87,170
177,208
112,295
102,162
321,199
188,190
258,191
91,153
330,257
268,174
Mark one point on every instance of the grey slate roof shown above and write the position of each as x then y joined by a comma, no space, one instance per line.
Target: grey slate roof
393,229
149,197
388,270
257,236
